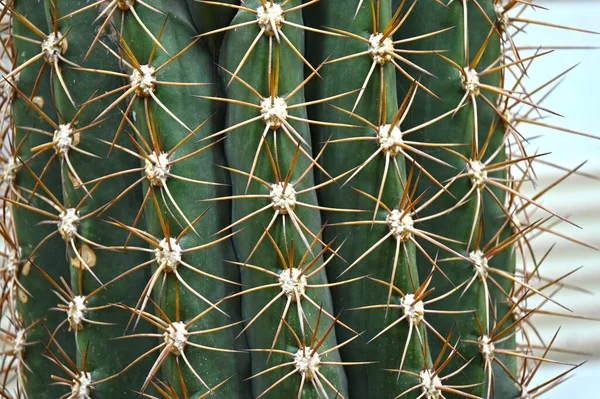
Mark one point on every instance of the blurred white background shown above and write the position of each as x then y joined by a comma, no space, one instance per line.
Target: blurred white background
578,100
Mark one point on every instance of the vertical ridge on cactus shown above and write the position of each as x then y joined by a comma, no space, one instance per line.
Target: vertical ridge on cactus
273,199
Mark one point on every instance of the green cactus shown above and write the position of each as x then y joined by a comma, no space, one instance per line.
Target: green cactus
262,199
27,234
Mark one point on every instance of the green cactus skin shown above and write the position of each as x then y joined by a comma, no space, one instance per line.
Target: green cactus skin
495,218
338,159
214,367
240,150
50,256
459,129
258,262
95,341
209,17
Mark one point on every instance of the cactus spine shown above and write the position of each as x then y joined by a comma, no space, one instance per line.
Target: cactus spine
263,199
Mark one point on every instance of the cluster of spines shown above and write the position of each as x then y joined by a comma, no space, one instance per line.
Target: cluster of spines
304,210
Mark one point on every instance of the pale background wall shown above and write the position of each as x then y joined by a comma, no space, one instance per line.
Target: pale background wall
578,100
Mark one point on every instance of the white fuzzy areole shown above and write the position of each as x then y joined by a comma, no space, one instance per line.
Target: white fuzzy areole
82,386
477,173
19,343
168,259
509,118
143,80
157,168
282,198
63,139
414,310
480,263
487,348
431,385
10,169
76,313
10,269
390,139
176,337
400,226
293,285
53,46
273,112
470,81
7,90
305,364
68,223
270,18
380,49
501,13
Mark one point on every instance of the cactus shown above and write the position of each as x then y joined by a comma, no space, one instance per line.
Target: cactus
272,199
